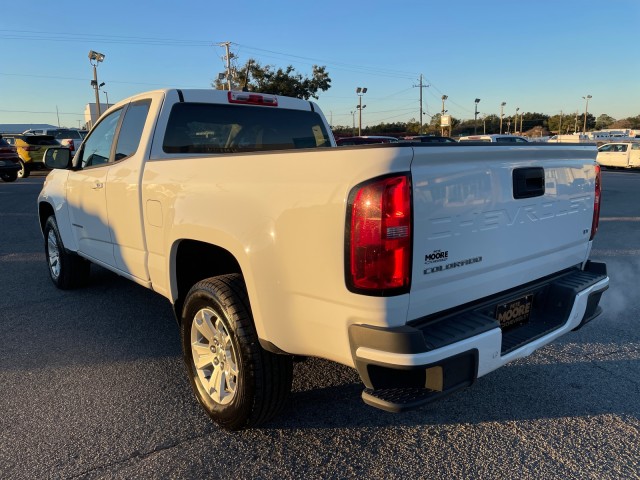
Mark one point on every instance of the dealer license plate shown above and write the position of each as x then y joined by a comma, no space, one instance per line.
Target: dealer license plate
514,313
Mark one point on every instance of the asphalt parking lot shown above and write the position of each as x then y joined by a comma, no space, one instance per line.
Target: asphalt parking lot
93,386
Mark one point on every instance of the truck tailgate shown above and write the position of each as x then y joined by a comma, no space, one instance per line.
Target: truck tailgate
490,218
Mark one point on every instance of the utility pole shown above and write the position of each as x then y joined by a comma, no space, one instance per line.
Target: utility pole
228,60
586,107
501,115
421,86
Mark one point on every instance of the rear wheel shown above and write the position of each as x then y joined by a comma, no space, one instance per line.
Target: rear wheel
9,177
24,170
238,383
66,269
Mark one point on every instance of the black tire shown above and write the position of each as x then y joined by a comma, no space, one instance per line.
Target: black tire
256,383
24,171
9,177
66,269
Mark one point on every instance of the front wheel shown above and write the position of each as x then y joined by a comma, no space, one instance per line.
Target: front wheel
9,177
66,269
238,383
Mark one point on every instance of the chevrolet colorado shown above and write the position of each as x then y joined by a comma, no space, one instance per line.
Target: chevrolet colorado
424,266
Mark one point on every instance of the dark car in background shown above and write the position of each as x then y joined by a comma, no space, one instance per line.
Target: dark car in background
30,149
364,140
429,139
9,161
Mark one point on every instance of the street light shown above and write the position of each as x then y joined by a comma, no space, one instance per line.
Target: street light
475,116
360,91
515,121
94,59
444,97
501,114
586,107
106,95
353,120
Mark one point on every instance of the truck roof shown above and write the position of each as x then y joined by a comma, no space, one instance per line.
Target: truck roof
227,97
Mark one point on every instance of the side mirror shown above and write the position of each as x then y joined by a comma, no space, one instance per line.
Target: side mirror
58,157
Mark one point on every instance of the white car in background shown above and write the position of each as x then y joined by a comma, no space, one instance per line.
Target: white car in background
619,155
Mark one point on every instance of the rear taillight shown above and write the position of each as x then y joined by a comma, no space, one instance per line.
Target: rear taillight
596,203
378,250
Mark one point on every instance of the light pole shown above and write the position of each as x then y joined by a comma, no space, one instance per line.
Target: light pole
484,124
515,121
353,121
94,59
360,91
475,116
444,97
106,95
521,115
501,114
586,107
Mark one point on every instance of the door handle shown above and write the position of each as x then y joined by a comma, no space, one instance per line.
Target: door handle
97,185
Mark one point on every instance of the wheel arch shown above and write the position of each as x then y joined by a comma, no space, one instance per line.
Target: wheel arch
45,210
194,260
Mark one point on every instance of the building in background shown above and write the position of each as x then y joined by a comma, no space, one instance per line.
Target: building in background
91,113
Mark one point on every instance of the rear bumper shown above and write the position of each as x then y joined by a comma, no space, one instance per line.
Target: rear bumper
409,366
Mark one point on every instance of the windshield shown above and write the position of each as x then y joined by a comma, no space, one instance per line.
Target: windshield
65,133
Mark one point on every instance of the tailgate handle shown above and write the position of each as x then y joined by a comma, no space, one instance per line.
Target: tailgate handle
528,182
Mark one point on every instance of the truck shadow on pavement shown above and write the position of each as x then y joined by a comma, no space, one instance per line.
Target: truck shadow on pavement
519,391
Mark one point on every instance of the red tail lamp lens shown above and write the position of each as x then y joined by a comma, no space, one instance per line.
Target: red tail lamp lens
379,237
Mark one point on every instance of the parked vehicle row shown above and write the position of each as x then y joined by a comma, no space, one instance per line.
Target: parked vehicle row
365,140
28,148
67,137
369,139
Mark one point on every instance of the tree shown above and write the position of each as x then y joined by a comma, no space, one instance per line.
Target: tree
604,121
254,77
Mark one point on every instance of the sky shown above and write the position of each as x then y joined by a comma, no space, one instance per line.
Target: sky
541,56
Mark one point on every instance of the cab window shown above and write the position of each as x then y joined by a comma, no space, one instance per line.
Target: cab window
131,129
97,147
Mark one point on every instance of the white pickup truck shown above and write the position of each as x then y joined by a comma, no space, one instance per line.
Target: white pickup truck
619,155
423,266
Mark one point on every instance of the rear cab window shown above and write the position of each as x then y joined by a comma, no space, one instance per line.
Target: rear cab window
218,128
